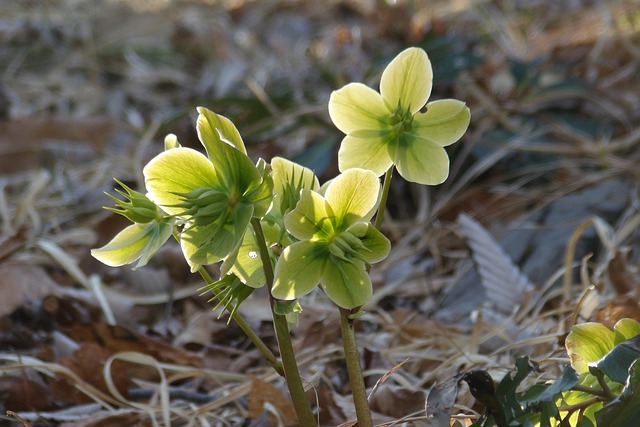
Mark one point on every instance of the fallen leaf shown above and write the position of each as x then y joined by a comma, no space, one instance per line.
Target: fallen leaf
118,338
263,393
21,284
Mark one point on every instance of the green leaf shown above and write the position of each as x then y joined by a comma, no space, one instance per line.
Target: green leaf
214,127
626,329
347,283
299,269
506,390
616,363
175,172
407,80
290,309
312,217
353,196
625,410
587,343
548,392
136,242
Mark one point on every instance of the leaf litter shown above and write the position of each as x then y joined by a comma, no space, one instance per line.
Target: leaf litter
548,172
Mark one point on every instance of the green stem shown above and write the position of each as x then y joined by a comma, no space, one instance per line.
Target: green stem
352,358
249,332
351,353
383,199
281,326
243,324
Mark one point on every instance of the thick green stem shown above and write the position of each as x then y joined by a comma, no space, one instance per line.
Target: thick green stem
291,373
243,324
383,199
352,358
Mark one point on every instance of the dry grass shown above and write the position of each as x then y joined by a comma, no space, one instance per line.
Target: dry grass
554,104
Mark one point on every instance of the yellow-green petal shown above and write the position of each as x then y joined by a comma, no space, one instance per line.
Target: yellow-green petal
347,283
370,153
312,217
444,122
422,162
356,106
353,195
245,262
299,269
288,179
207,244
376,245
177,171
136,242
407,80
214,127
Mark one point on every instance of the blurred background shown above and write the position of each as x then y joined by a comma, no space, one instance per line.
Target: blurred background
89,89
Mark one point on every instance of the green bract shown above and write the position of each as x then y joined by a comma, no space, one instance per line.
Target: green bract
336,241
215,196
387,128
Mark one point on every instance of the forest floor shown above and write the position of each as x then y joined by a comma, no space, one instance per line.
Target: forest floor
542,200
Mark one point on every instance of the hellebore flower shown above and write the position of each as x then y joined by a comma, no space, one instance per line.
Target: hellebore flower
336,241
215,196
387,128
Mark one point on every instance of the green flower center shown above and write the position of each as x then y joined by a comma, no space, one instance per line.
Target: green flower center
401,120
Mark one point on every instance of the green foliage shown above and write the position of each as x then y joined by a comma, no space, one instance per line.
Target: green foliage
600,387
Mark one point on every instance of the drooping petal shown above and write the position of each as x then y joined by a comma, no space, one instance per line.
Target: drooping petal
260,192
245,262
235,171
407,80
352,195
370,153
136,242
207,244
312,217
422,162
376,245
299,269
444,122
177,171
347,283
356,106
212,126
